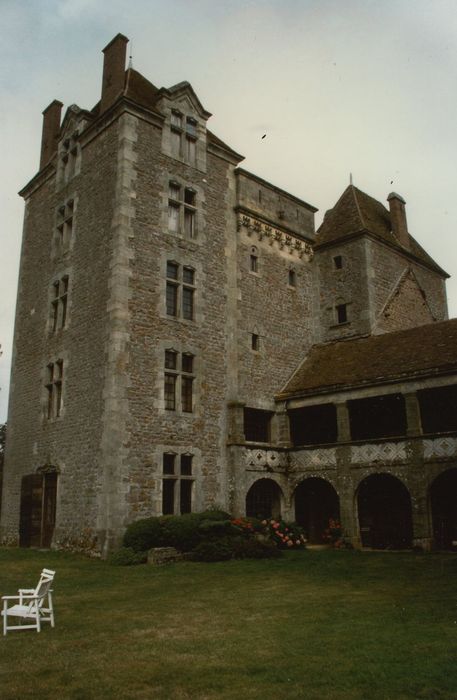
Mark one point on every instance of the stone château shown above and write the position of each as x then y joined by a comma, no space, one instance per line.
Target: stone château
185,339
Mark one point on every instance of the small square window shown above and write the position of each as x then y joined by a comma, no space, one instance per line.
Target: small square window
188,275
169,463
189,197
172,270
186,465
176,119
170,359
187,363
338,262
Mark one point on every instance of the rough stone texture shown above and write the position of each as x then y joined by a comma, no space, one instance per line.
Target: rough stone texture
108,443
165,555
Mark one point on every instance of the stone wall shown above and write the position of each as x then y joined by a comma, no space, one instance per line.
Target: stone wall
71,442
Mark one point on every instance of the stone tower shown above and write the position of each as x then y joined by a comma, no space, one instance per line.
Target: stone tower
372,276
164,296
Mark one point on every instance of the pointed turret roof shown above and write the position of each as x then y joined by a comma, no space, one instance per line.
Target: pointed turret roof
356,213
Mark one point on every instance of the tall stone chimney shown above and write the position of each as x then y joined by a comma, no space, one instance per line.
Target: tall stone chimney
113,71
51,131
398,218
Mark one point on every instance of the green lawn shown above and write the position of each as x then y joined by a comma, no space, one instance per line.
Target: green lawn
311,625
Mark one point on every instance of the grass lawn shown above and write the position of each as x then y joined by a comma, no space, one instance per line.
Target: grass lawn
311,625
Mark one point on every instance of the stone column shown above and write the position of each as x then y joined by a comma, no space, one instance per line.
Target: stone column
342,418
281,427
413,416
235,411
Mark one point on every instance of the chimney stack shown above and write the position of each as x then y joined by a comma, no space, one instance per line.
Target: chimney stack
51,131
398,218
113,71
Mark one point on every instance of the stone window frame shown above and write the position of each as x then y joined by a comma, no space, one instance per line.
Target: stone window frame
53,404
179,381
341,314
59,303
69,157
254,261
198,503
179,291
292,278
183,200
184,132
338,262
65,225
186,260
174,474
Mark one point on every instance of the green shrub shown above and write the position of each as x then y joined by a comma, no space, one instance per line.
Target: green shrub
180,531
217,528
213,550
143,535
243,548
126,556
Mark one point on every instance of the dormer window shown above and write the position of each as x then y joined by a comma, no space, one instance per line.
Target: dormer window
176,120
68,156
183,137
191,127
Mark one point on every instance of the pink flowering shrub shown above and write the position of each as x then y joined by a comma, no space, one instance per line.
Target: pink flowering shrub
283,535
334,534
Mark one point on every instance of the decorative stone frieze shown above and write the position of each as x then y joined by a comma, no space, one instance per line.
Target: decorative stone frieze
440,447
275,235
383,452
315,458
264,458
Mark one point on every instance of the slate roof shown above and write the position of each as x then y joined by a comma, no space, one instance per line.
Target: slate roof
356,212
427,350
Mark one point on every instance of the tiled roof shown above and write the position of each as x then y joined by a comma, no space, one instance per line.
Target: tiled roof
426,350
357,212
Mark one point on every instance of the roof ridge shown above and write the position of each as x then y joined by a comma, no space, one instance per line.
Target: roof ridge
358,205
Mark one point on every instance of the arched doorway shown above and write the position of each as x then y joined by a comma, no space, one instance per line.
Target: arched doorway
263,499
38,508
384,507
443,502
316,501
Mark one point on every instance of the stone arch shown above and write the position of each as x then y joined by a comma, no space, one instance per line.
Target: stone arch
316,502
443,508
384,512
264,499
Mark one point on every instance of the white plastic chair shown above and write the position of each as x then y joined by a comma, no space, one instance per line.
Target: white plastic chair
34,606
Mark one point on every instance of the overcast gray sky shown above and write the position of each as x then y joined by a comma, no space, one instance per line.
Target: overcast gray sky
338,86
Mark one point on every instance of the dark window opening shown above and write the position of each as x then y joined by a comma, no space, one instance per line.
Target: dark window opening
186,465
254,263
438,409
257,425
186,496
169,463
338,262
377,417
342,313
313,425
292,278
168,496
255,342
